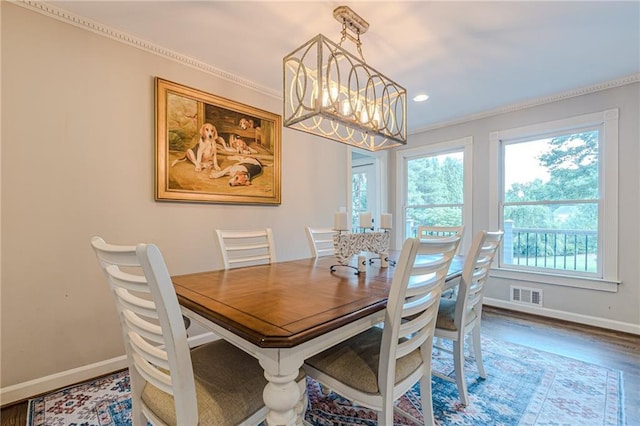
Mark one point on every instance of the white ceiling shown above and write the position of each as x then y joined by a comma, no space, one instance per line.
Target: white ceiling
470,57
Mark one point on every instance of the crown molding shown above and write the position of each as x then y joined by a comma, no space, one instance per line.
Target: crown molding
633,78
95,27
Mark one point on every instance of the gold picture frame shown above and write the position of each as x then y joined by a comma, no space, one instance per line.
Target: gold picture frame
214,150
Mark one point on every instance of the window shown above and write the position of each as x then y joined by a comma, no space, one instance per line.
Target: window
436,186
556,182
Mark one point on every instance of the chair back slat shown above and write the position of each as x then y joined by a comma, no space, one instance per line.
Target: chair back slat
249,260
246,248
133,303
151,354
109,254
321,241
144,328
151,374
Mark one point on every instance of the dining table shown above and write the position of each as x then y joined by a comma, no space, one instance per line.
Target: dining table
285,312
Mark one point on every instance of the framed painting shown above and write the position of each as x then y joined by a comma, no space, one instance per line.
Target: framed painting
214,150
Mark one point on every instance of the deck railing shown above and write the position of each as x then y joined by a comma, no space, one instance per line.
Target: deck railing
565,249
568,249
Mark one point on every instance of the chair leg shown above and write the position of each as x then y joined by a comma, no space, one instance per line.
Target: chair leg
385,417
458,362
426,400
477,350
137,383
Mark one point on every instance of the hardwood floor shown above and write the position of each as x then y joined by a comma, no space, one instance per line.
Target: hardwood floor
616,350
608,348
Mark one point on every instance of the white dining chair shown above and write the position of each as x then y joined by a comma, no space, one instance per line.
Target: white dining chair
461,316
214,384
378,366
246,247
321,241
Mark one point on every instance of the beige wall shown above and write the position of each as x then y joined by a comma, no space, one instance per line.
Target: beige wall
78,160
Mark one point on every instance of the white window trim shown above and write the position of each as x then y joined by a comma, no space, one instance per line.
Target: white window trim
608,175
402,156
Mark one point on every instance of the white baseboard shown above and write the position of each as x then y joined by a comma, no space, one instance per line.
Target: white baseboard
22,391
30,389
567,316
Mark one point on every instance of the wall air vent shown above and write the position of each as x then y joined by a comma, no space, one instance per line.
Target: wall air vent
526,295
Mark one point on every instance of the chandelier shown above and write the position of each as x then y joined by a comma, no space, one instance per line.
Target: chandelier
331,93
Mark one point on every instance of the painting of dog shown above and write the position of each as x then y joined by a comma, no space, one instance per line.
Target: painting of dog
204,154
215,150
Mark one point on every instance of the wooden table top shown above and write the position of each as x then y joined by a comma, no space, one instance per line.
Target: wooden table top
283,304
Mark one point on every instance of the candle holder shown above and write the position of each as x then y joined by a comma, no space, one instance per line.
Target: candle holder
348,244
342,253
384,256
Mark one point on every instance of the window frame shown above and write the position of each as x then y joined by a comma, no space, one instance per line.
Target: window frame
607,123
464,145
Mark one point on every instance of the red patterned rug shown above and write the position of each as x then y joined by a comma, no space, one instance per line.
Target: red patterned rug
523,386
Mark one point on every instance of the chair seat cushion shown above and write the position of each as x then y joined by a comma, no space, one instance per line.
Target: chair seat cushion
229,385
355,361
447,314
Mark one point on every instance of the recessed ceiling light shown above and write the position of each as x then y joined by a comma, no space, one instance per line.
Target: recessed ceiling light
420,98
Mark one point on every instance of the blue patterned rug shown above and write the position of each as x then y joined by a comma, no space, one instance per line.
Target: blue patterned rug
523,387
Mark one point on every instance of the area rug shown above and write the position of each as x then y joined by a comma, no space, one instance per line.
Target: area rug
523,387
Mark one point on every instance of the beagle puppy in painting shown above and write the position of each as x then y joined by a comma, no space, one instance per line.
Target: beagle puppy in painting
240,146
246,123
204,153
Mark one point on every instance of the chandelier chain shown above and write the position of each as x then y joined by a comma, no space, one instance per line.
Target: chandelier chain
355,40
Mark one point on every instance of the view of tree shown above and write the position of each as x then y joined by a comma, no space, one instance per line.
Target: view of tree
359,191
433,182
572,163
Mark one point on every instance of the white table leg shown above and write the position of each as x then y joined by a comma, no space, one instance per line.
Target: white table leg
281,395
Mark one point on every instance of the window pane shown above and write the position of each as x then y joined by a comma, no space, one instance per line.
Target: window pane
559,168
552,236
359,196
436,179
434,216
359,192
